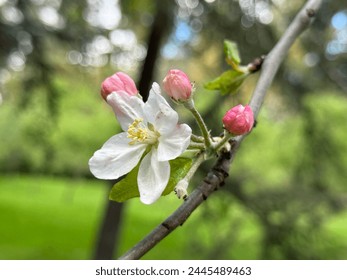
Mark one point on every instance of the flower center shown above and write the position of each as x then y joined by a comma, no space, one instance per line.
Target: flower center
139,133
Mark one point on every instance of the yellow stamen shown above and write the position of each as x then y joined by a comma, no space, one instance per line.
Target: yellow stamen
138,132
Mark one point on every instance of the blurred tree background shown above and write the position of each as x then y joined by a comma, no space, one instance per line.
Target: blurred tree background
286,197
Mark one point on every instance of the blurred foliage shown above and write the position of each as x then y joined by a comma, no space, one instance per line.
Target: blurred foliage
286,194
291,178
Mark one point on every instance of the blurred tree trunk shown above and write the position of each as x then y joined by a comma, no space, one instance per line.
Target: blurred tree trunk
109,231
106,244
161,26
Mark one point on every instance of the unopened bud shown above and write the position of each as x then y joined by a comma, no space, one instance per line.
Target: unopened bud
177,85
118,82
239,120
181,189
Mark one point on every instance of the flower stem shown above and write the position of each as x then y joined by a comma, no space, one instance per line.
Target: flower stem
217,146
182,185
200,159
203,128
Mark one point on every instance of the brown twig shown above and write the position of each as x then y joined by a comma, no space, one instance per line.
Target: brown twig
215,178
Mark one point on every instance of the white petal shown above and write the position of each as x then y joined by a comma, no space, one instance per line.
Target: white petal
126,107
153,177
155,91
116,157
174,144
159,113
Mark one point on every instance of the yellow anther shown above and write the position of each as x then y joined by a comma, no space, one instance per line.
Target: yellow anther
137,132
140,133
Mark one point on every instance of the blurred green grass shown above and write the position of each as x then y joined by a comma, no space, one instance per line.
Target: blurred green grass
48,218
58,218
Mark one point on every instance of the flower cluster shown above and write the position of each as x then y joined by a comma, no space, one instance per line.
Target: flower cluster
152,136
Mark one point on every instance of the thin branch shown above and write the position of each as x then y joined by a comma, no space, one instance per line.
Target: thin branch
216,177
211,182
279,52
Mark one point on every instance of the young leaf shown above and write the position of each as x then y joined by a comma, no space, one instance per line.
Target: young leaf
232,55
127,188
179,169
227,83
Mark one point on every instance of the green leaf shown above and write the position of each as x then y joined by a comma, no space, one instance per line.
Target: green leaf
179,169
232,54
127,188
227,83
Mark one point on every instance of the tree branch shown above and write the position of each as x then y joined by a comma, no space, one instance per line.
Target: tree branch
279,52
215,178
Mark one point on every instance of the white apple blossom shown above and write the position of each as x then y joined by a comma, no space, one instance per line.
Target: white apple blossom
151,135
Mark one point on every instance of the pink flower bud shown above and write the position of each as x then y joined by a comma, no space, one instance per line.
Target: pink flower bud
118,82
239,120
177,85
